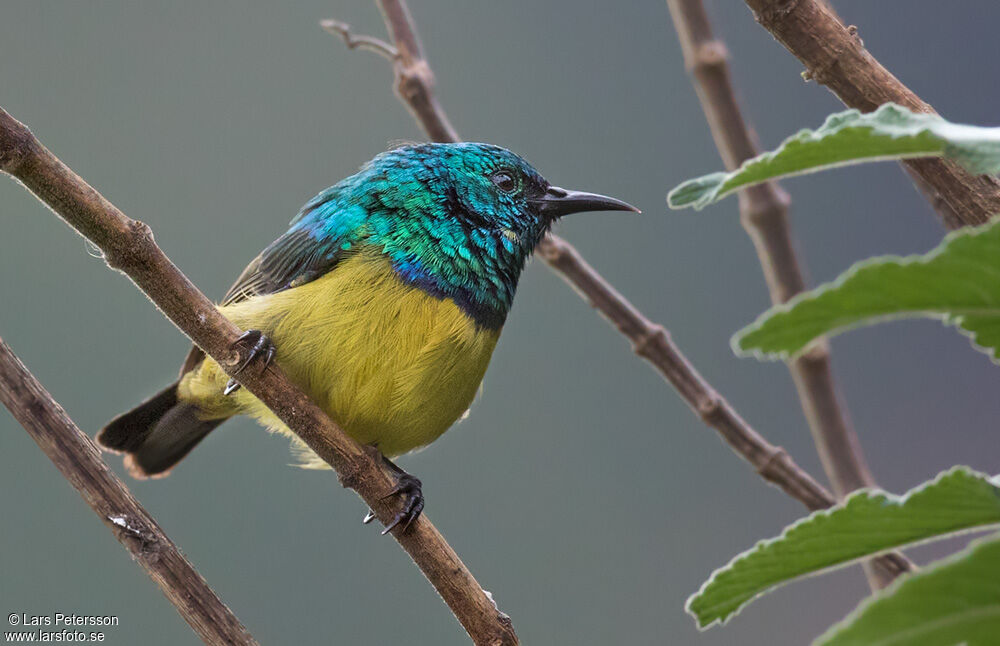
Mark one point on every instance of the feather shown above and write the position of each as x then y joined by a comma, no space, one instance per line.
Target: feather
392,364
294,259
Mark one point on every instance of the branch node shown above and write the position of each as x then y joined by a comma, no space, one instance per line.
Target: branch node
654,335
710,408
824,72
767,468
133,249
852,31
764,205
414,79
712,53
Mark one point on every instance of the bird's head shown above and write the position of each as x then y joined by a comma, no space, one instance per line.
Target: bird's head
459,220
492,189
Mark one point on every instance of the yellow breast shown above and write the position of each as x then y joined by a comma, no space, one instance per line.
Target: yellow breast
394,366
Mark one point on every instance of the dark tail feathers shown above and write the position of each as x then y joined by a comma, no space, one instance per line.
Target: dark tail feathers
156,434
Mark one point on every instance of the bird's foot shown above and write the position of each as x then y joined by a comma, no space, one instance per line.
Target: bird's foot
413,500
260,345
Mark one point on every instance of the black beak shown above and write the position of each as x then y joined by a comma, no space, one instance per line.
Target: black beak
557,202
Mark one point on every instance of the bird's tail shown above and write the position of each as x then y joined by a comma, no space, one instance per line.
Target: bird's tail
156,434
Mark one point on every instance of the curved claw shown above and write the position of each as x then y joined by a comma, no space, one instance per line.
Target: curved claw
413,502
261,345
231,386
269,357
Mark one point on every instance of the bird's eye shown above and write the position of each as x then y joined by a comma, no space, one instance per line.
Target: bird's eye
504,180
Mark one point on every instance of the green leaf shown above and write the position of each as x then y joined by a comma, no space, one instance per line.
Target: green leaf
953,601
891,132
958,282
867,523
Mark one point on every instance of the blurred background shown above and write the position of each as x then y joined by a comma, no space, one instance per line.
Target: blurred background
581,491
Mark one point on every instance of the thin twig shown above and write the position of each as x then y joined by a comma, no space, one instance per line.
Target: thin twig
650,341
764,213
128,246
76,457
835,56
355,41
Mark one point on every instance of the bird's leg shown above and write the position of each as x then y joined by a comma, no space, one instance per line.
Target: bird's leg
413,499
260,344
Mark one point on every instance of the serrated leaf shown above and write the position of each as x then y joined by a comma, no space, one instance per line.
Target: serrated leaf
958,282
867,523
953,601
851,137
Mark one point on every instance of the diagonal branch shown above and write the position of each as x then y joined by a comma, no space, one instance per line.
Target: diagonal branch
650,341
76,457
835,56
128,246
764,213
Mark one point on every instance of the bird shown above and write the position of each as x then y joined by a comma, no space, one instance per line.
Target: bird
383,301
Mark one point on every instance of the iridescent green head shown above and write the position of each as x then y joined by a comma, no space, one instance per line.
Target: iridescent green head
458,220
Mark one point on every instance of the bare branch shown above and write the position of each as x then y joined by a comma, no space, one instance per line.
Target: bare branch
128,246
835,56
650,341
764,213
414,77
76,457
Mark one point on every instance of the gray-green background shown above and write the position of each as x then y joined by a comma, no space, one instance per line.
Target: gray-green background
581,491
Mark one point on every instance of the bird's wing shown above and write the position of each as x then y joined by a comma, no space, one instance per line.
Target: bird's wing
297,257
294,259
